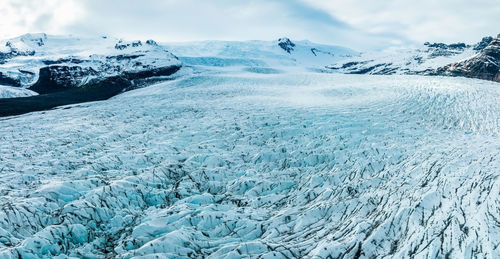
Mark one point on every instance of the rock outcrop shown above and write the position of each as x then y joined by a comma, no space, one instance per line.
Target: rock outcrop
286,44
61,77
485,65
64,74
483,43
405,61
68,70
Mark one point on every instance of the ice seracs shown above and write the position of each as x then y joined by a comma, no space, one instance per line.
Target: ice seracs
250,154
241,164
286,44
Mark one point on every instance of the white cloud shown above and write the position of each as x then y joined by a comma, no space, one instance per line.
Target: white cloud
423,20
51,16
189,20
355,23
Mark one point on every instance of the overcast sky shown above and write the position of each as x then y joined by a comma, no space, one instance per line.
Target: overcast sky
359,24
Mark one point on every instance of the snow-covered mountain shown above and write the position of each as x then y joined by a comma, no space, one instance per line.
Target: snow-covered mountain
484,65
422,60
45,63
260,56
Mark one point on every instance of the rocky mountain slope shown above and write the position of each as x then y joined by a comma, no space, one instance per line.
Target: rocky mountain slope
424,60
484,65
405,61
47,64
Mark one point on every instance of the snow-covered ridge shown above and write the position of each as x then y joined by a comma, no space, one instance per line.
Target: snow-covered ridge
75,61
406,60
260,54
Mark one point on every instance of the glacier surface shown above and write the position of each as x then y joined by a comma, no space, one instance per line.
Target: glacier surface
251,165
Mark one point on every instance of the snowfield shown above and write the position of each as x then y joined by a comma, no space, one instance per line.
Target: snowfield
252,165
259,56
12,92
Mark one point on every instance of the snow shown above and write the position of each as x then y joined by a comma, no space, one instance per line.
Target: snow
404,60
100,54
11,92
259,56
242,164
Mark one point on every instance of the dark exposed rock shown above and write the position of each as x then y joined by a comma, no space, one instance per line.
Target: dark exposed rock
124,57
315,52
483,43
459,45
151,42
93,91
162,71
4,57
369,69
419,59
286,44
59,77
360,67
5,80
445,50
60,85
27,72
354,63
63,61
13,52
484,65
123,45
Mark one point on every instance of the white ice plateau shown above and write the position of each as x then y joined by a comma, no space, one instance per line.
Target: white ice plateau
258,163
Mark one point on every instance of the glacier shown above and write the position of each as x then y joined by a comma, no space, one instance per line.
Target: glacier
242,164
260,56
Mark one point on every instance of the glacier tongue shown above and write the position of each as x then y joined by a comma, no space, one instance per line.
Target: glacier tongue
270,166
